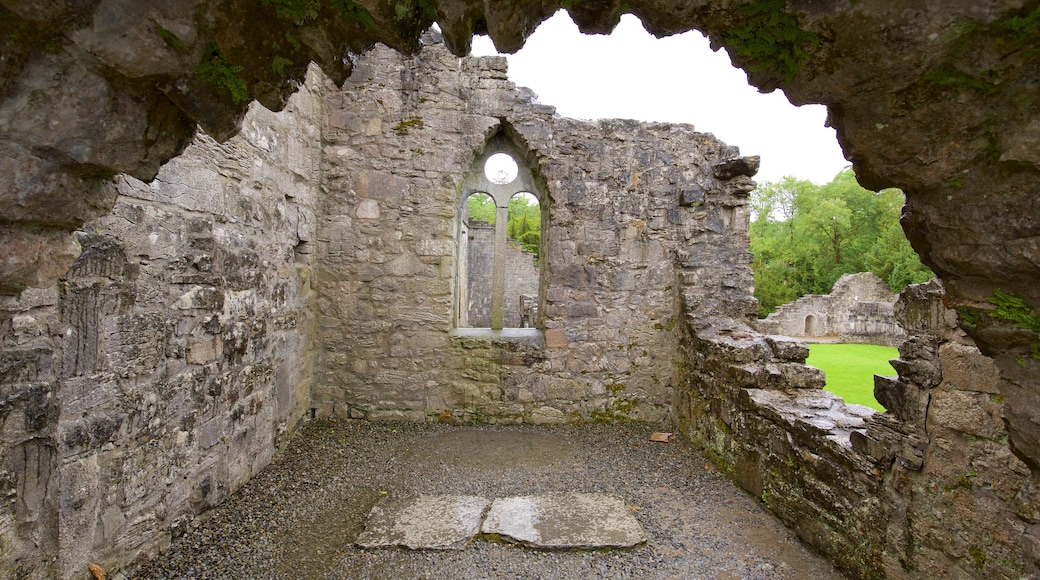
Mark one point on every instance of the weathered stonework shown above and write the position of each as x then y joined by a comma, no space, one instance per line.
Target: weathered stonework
936,100
613,227
523,276
171,361
858,309
929,489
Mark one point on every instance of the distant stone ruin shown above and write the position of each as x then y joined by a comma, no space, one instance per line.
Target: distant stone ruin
859,309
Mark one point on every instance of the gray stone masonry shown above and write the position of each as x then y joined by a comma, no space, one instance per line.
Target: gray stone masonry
522,277
858,309
624,200
929,489
173,359
312,263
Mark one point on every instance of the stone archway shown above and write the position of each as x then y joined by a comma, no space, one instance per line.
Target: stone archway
811,325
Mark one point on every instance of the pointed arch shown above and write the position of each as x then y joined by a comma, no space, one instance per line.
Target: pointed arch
489,292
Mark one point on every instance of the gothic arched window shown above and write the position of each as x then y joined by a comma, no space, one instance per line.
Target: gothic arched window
500,233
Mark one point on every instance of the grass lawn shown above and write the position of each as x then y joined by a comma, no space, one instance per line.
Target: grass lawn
851,368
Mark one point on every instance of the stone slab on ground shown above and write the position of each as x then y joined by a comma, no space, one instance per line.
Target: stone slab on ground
565,520
433,522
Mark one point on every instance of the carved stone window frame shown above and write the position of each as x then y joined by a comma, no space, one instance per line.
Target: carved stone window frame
476,181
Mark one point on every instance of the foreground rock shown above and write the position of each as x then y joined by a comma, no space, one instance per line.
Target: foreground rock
565,520
434,522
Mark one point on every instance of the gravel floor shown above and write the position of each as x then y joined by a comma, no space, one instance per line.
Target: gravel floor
300,516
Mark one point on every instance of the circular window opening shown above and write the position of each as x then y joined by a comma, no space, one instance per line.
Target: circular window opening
500,169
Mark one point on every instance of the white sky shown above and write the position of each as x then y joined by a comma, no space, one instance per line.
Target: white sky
632,75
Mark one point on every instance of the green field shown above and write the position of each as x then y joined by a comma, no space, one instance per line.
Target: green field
851,368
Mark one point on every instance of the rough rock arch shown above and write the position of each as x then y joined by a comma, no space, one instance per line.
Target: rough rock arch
939,100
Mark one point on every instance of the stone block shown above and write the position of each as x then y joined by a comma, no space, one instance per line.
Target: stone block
732,168
565,521
966,369
203,352
968,412
434,247
787,349
556,338
441,522
380,186
367,209
545,415
904,400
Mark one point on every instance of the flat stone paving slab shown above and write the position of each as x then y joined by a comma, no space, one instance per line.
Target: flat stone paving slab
565,521
433,522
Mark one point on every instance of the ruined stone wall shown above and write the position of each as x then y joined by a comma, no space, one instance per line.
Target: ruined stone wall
522,277
479,266
171,361
929,489
401,136
858,309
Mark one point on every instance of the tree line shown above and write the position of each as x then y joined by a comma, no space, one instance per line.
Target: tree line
805,236
524,226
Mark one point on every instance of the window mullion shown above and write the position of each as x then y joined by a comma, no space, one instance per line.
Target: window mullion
498,280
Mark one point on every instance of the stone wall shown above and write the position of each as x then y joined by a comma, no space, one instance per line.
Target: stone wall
625,201
171,361
939,101
175,356
930,489
522,277
858,309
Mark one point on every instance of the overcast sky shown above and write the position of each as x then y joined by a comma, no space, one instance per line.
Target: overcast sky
632,75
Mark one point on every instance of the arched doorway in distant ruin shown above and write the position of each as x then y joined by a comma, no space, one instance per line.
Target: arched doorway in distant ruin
811,325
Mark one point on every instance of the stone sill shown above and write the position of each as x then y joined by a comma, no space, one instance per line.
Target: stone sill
529,336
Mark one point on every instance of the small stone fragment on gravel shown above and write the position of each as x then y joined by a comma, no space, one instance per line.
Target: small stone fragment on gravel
431,522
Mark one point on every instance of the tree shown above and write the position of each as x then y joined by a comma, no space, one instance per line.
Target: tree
525,218
481,208
525,222
804,237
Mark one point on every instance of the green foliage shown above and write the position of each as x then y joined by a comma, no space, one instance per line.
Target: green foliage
804,237
771,39
850,369
354,12
525,223
1014,309
481,208
296,11
279,64
525,219
214,69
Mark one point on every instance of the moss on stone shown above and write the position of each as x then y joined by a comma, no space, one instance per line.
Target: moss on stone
171,39
279,64
216,70
770,38
406,125
949,77
296,11
978,557
1015,310
354,12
